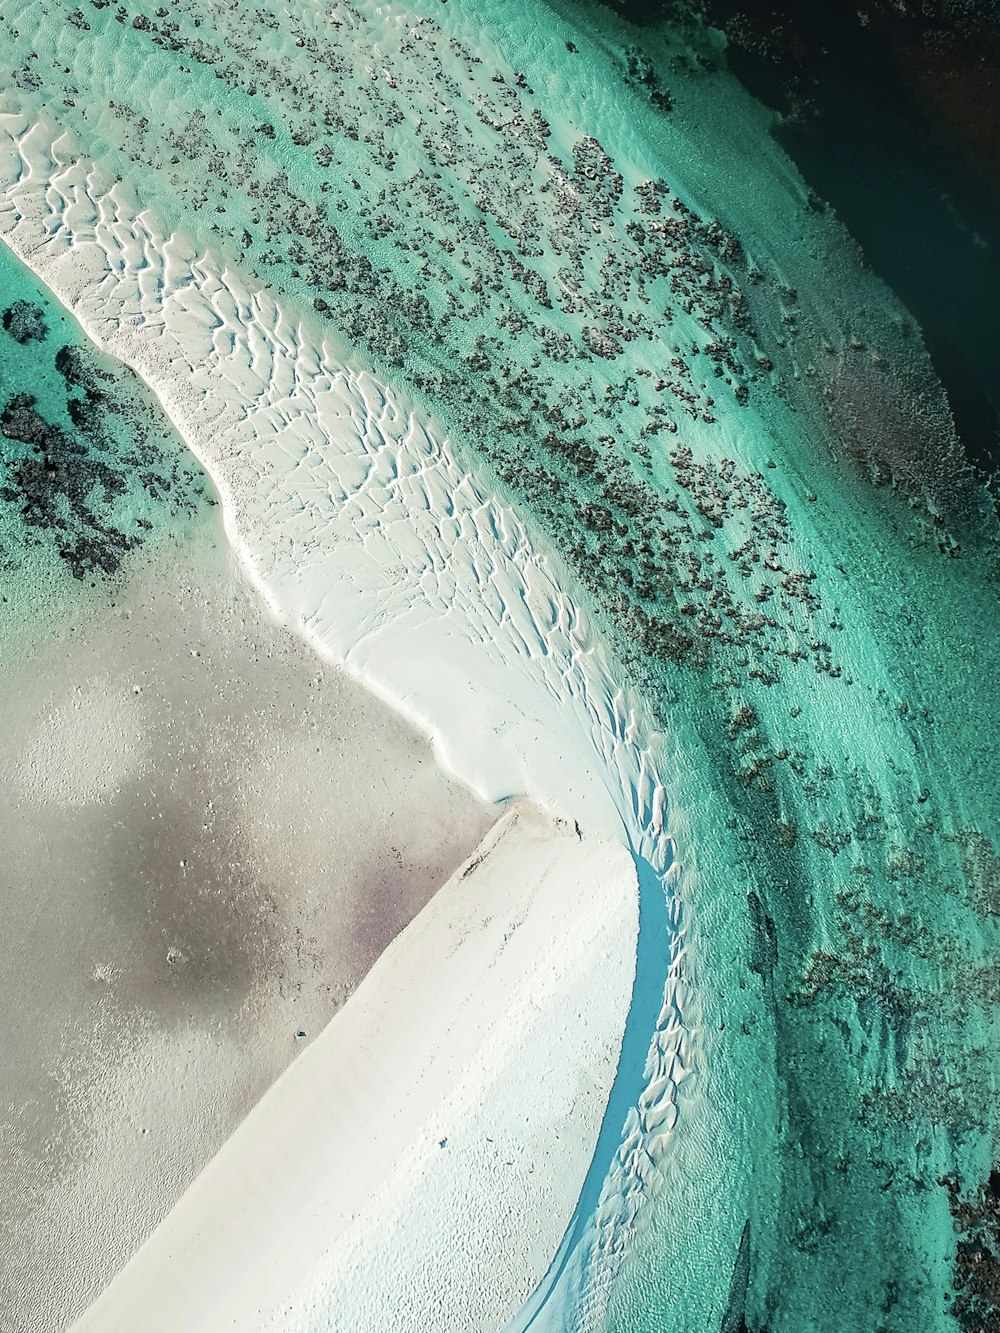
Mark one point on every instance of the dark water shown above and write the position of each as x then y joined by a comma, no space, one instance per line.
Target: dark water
894,121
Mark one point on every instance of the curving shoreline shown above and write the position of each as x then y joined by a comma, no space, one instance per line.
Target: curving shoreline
362,532
354,522
593,266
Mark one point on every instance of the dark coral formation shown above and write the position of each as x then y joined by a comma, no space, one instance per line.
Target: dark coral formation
25,322
613,439
976,1217
89,493
63,491
911,82
611,474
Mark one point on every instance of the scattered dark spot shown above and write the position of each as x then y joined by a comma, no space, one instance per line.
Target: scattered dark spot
25,322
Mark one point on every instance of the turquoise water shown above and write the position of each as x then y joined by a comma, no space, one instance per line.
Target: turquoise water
581,247
92,475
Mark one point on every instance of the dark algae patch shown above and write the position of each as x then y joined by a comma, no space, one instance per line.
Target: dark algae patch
977,1255
734,1319
588,257
62,491
25,322
88,467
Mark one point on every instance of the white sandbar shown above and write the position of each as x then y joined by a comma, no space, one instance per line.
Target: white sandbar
416,1167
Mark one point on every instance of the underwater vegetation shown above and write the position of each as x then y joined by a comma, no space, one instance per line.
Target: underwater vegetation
86,460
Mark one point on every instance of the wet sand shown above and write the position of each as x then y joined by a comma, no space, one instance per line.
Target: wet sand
209,838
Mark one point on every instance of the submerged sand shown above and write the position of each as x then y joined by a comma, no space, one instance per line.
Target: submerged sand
209,838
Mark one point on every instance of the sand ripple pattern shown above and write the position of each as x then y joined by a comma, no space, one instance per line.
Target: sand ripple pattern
362,528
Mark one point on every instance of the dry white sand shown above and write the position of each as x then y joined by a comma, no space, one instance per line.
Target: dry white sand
415,1168
209,837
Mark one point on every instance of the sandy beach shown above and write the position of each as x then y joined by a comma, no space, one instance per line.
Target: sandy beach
416,1167
210,837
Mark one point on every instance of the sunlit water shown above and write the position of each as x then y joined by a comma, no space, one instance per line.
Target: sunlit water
579,249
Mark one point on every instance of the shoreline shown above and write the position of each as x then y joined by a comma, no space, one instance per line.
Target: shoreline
262,399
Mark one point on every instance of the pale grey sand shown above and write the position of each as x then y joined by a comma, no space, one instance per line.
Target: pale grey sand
208,838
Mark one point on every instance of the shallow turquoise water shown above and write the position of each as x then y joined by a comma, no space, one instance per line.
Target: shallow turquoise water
91,472
581,247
